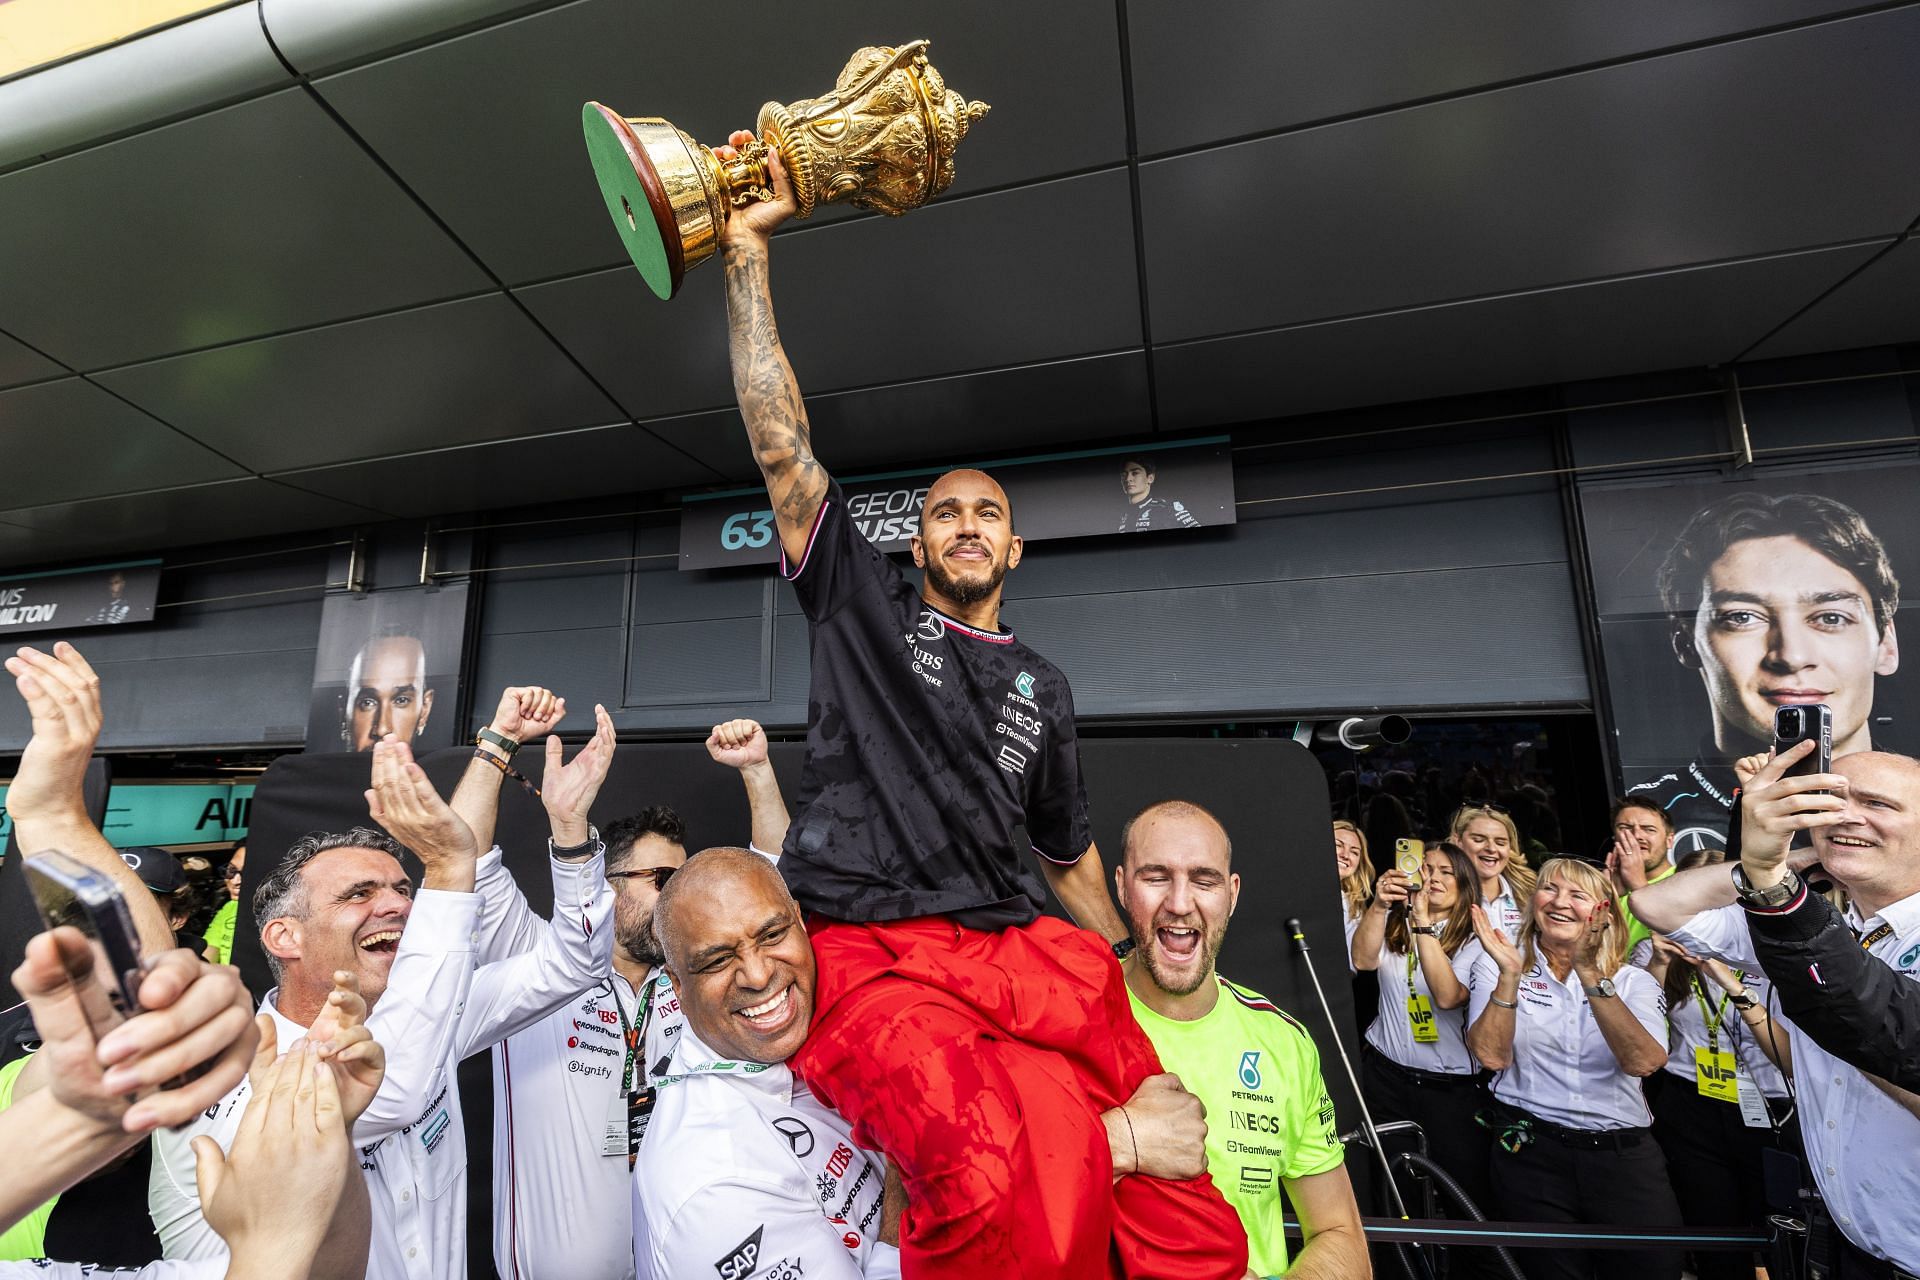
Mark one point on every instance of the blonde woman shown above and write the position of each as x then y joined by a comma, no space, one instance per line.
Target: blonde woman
1570,1029
1350,858
1506,882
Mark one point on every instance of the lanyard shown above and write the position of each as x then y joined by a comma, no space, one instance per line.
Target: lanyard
634,1034
716,1068
1709,1014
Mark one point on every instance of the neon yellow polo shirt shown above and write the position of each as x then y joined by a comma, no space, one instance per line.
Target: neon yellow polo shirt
1268,1114
1635,930
27,1238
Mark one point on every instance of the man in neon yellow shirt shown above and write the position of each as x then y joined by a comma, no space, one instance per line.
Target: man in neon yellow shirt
220,931
1270,1124
1642,855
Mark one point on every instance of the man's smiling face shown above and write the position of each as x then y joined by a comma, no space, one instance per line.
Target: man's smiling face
358,901
966,541
1780,624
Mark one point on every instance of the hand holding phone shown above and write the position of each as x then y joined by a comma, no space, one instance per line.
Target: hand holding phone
73,895
1805,723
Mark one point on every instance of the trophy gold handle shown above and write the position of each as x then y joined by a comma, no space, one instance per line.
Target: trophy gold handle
746,178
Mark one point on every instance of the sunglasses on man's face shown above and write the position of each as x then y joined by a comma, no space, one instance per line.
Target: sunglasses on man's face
230,873
659,875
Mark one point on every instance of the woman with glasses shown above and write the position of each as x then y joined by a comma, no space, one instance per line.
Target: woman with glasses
1505,881
1570,1029
1721,1101
1415,1065
220,930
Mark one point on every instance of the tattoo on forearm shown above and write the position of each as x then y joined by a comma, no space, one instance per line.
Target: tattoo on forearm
768,393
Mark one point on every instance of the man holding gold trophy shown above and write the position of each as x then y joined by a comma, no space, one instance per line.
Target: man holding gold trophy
973,1040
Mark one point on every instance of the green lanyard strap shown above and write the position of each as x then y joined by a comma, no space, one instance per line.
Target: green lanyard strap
1709,1014
633,1034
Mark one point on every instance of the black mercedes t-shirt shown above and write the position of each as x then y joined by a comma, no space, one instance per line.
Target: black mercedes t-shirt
928,743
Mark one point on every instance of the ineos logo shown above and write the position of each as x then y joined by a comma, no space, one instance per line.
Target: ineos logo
797,1134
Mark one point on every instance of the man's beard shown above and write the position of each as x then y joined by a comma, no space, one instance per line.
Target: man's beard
966,590
639,942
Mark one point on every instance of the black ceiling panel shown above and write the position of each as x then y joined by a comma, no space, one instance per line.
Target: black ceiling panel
513,473
1232,68
1011,277
1880,305
456,373
1775,143
486,127
176,517
969,416
255,219
69,439
1700,316
20,363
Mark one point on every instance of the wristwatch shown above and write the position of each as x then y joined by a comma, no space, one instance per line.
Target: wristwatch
1123,948
1744,1000
570,853
1603,988
1431,930
1764,899
500,740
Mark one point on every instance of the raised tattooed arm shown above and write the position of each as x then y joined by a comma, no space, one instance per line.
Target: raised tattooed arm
763,381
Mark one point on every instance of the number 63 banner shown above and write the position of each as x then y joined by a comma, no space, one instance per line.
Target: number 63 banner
1183,484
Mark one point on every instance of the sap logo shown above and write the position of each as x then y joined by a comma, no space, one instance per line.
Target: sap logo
743,1259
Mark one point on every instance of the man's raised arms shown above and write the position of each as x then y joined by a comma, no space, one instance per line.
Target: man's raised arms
763,381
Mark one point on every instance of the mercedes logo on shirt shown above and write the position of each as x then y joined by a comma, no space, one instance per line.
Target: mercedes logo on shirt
798,1136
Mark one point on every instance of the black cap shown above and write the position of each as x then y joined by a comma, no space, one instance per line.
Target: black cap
157,869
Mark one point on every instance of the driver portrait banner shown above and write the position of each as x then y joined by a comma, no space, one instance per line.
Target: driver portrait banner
1173,485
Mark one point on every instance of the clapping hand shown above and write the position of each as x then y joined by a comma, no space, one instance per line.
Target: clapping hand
568,790
403,800
1498,949
1625,866
340,1038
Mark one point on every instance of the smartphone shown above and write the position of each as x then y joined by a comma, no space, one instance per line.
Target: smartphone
68,892
1410,856
1798,724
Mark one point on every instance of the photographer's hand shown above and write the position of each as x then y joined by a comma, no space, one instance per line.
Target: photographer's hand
1776,808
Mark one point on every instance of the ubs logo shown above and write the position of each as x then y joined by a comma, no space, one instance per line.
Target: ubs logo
797,1134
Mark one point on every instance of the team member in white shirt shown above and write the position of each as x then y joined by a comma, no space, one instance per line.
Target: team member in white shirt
573,1092
1571,1029
744,1174
346,903
1417,935
1717,1103
1506,881
1861,1134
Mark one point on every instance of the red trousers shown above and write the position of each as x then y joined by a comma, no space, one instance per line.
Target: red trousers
980,1063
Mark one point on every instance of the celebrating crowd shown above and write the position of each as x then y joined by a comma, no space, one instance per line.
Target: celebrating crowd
850,1044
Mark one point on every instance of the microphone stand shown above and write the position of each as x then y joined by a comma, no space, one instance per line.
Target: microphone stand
1366,1117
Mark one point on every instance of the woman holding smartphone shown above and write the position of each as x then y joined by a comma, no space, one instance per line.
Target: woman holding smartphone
1416,936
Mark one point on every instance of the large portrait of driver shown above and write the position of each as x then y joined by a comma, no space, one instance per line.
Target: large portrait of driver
1722,602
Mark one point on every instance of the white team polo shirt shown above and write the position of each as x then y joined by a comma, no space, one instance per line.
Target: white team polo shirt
556,1085
1562,1069
1860,1143
745,1173
1687,1024
42,1269
1392,1029
1507,911
437,1009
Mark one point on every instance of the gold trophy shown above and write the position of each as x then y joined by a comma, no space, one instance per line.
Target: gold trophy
883,139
